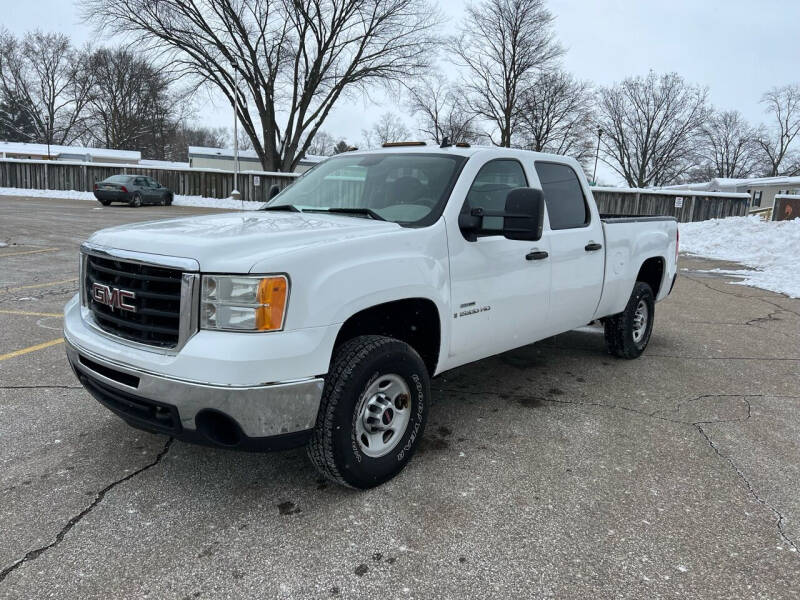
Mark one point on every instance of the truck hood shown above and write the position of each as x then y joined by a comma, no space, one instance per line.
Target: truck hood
234,242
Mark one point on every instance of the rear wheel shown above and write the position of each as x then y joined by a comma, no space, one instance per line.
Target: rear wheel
628,333
169,200
373,412
136,201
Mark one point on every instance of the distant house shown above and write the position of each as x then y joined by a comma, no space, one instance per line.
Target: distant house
222,158
762,190
163,164
74,153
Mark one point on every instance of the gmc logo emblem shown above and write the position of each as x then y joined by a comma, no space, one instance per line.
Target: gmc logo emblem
113,297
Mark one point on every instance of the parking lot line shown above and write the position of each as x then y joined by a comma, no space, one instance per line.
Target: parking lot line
28,252
27,313
30,349
38,285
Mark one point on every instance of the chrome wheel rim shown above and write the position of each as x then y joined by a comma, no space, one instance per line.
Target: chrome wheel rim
640,321
383,414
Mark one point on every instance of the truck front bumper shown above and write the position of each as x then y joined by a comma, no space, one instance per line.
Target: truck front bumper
267,417
248,392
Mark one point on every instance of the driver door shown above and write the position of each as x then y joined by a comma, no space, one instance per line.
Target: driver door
500,290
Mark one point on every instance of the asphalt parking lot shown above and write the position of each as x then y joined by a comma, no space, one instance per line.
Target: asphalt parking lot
550,471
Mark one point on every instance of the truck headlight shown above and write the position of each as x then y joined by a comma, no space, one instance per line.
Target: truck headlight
243,303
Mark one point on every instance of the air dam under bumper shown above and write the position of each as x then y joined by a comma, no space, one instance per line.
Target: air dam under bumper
268,417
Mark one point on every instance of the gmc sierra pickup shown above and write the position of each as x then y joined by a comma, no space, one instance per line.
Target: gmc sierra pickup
320,319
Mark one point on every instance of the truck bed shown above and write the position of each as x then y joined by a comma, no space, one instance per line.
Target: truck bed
607,218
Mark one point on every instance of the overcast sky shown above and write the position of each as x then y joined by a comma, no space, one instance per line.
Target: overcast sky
738,48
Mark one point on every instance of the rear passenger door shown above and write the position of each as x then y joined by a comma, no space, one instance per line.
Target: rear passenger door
154,190
577,257
141,186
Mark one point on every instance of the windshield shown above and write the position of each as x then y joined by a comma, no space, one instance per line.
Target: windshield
405,188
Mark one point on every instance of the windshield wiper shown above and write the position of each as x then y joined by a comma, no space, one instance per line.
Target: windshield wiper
288,207
367,212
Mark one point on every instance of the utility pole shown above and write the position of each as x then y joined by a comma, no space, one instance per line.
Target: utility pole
597,155
47,136
235,193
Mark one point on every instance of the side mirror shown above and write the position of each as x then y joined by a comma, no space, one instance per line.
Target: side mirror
524,216
274,190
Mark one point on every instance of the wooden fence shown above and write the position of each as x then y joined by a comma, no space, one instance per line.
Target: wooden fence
81,177
254,186
684,205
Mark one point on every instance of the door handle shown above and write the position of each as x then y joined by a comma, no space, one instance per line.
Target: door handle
592,246
536,255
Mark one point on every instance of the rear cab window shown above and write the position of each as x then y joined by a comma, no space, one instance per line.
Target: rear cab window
563,195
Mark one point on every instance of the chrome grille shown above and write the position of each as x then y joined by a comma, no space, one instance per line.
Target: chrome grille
158,290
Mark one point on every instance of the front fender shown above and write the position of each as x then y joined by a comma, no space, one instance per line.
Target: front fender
332,282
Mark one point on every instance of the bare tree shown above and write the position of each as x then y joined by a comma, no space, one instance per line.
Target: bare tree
777,140
728,147
292,60
651,127
442,111
389,128
191,135
132,104
556,116
47,79
322,144
502,46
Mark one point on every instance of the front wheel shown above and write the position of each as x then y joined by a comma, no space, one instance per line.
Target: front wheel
628,333
105,202
373,412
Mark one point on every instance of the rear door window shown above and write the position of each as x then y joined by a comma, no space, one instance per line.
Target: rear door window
563,195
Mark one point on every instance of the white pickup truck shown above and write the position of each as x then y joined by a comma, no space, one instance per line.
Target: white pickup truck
320,319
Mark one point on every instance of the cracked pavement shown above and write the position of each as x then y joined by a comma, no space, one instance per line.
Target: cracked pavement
550,471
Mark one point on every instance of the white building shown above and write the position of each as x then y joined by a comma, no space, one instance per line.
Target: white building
762,190
25,150
222,158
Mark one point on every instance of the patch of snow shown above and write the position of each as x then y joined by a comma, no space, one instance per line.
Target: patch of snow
54,194
769,248
178,200
228,203
3,244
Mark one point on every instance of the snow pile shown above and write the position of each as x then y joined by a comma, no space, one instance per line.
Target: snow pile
771,248
228,203
178,200
55,194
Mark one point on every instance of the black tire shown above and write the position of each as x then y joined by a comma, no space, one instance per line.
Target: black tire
136,200
169,200
357,365
621,332
104,202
